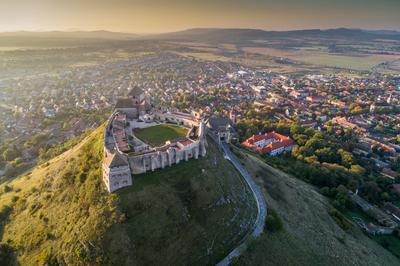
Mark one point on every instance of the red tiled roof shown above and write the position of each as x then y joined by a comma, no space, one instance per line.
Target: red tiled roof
120,139
186,142
270,135
280,141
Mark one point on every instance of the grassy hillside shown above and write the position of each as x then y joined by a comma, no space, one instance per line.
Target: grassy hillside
60,211
310,236
192,213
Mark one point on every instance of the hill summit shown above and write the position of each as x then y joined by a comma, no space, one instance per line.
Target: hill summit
61,213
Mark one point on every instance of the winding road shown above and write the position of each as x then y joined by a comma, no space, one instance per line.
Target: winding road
258,227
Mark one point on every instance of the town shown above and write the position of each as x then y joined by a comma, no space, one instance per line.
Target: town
346,124
180,132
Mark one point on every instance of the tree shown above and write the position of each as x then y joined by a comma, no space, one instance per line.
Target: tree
10,154
346,158
326,155
6,254
379,129
385,196
342,199
357,169
311,159
296,129
301,139
273,223
371,191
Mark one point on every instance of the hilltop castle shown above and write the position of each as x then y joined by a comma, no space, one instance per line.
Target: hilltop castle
125,155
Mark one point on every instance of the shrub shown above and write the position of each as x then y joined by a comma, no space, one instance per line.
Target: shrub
122,218
6,254
4,211
7,189
273,222
14,199
18,161
340,219
11,172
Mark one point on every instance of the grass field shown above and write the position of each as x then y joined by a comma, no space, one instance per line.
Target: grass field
159,134
317,55
342,61
13,48
310,236
190,214
205,56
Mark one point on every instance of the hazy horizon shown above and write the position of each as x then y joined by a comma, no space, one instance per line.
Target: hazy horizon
157,16
185,29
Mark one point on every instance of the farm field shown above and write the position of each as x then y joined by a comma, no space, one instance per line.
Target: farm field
13,48
317,55
342,61
159,134
205,56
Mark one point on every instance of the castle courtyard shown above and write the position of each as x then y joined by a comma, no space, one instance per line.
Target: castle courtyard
159,134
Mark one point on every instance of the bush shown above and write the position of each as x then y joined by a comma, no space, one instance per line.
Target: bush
7,189
6,254
18,161
14,199
11,172
340,219
328,192
4,212
273,223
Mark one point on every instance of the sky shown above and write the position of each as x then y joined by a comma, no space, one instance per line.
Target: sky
148,16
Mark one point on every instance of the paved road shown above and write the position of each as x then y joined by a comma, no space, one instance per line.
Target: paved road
261,205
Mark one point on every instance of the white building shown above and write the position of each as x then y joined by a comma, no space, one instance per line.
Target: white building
116,171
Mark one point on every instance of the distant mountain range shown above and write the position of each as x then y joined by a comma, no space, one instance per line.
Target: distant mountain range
197,34
212,34
54,39
101,34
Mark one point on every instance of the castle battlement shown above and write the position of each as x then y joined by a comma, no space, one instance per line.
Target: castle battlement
126,155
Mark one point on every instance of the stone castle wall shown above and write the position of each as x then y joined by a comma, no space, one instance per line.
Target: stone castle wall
156,158
161,159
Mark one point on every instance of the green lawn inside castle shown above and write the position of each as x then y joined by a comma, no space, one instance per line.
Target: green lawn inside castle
159,134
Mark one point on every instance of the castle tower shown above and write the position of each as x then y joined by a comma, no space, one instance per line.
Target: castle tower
116,171
136,94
